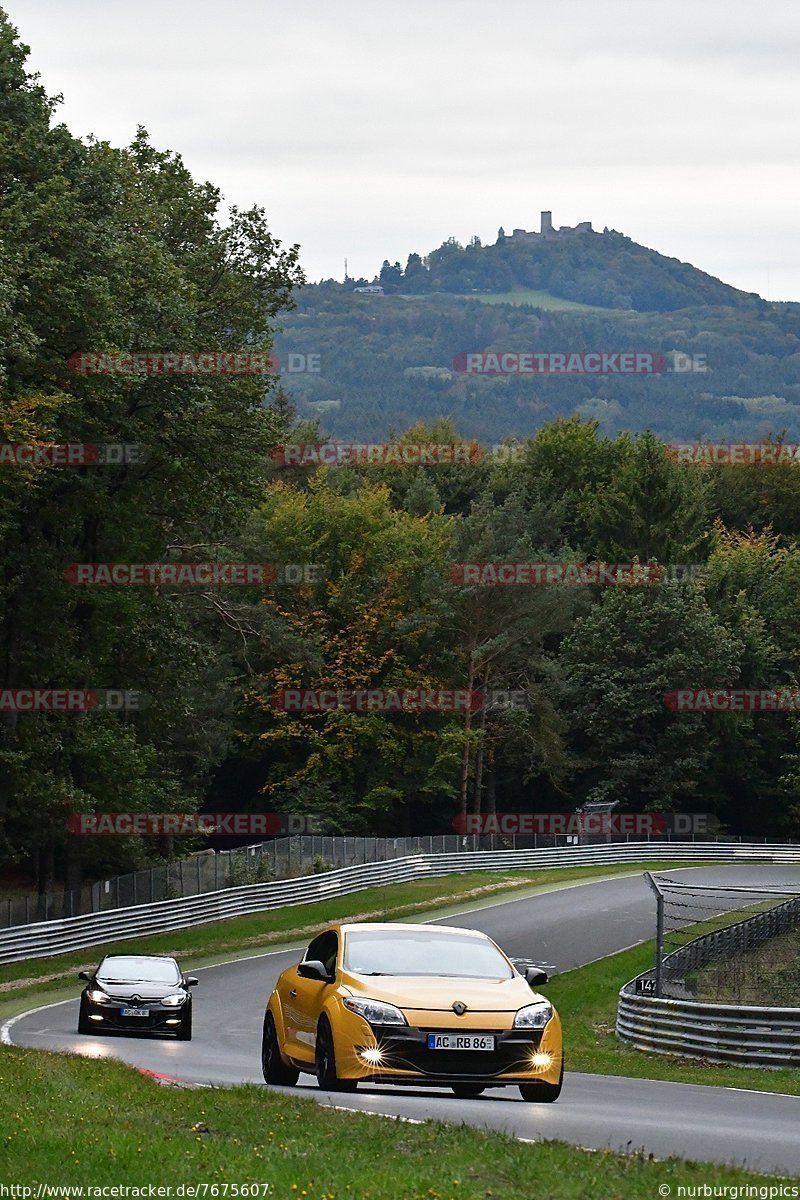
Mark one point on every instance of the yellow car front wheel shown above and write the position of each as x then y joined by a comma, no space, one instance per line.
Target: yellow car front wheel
543,1093
325,1061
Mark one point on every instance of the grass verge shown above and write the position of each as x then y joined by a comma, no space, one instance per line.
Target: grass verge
71,1121
215,940
538,299
587,1003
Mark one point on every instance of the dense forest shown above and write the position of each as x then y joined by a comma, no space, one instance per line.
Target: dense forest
369,365
107,251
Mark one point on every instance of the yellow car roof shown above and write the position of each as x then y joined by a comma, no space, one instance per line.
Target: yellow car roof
395,926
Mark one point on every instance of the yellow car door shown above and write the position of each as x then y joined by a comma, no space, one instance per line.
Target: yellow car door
303,1003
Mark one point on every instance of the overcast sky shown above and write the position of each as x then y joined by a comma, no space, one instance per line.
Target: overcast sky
370,129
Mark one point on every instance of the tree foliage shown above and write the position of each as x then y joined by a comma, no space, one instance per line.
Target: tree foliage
107,250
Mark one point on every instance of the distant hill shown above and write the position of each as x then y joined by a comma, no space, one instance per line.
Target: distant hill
602,269
386,362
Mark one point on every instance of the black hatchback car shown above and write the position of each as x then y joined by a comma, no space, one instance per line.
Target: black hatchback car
139,992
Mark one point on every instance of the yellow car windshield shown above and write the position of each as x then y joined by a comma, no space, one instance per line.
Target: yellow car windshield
414,953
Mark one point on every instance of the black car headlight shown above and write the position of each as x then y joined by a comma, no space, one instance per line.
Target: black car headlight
375,1012
533,1016
95,996
174,1000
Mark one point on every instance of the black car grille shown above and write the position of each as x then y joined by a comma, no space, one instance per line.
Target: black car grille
117,1018
112,1015
111,1012
407,1050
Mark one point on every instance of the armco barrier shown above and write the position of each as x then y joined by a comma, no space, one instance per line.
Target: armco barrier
96,929
745,1034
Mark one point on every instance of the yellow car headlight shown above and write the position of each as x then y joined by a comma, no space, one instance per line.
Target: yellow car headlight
375,1012
533,1016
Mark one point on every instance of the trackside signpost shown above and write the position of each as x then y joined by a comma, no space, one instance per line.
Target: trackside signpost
657,983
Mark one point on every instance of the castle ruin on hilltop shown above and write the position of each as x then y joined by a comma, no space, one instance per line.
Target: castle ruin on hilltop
549,233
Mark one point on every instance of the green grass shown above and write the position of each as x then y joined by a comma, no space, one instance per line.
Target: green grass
238,936
73,1121
587,1003
766,974
537,299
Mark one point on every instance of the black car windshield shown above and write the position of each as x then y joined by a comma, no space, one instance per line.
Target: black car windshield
130,969
409,952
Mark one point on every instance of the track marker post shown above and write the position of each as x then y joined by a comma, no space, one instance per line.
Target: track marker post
659,930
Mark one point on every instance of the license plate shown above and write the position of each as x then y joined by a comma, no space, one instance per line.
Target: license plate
135,1012
461,1041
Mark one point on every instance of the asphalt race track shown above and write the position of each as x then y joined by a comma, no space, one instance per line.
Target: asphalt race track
566,928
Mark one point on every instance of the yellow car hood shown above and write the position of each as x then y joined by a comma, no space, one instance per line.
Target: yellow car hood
438,994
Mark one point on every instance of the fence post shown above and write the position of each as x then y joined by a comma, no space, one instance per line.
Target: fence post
659,944
659,932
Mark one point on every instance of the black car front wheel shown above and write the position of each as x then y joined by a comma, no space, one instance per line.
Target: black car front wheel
325,1062
84,1024
273,1067
185,1027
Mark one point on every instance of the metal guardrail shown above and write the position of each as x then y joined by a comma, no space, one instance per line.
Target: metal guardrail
746,1034
96,929
210,871
278,858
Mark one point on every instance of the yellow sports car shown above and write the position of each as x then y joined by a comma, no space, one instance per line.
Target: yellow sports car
412,1004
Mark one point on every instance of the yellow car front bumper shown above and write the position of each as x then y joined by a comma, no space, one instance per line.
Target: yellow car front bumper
401,1053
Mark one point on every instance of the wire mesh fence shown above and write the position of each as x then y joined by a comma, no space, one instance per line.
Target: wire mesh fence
725,944
279,858
210,871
